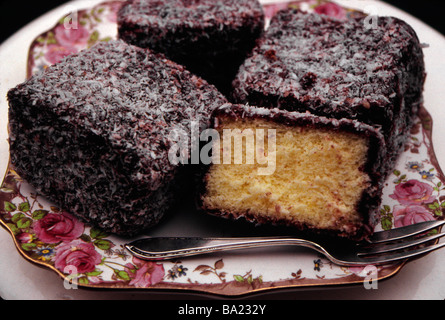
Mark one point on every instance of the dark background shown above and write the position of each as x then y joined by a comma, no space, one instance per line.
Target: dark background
15,14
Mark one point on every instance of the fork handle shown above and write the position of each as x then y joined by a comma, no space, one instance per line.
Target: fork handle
164,248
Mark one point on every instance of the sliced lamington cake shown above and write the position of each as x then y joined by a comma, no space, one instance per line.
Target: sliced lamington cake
300,170
338,69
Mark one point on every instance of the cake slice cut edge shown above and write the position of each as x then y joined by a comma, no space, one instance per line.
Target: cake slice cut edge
322,175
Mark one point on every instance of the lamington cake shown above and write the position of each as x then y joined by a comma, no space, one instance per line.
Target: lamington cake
306,62
92,132
321,175
210,37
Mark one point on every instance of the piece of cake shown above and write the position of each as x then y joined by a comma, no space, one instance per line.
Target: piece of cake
277,167
93,132
352,69
210,37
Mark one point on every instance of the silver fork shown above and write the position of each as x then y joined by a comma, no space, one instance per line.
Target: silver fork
382,248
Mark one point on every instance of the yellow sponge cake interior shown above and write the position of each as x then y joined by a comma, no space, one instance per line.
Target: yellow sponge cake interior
314,176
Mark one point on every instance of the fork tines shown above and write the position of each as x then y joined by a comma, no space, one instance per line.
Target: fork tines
402,243
405,232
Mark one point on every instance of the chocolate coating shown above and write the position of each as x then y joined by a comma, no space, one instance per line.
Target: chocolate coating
91,133
211,38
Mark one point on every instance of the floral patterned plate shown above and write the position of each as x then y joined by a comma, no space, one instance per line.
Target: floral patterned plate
88,257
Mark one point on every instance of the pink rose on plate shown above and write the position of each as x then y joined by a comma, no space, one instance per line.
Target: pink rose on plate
54,228
81,256
71,37
405,216
56,53
144,273
413,192
25,237
331,9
